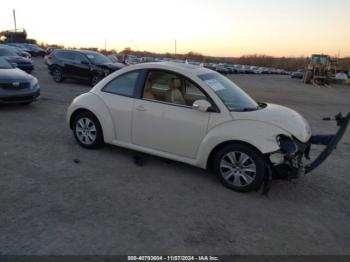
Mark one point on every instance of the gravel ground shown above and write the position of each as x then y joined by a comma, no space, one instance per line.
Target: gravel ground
107,205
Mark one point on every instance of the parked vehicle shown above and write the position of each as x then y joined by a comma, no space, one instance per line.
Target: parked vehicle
298,74
49,50
147,59
222,69
256,70
196,116
21,62
248,69
20,46
131,60
113,58
210,66
17,50
239,69
34,50
16,86
83,65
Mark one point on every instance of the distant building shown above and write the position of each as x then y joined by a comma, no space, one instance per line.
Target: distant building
18,36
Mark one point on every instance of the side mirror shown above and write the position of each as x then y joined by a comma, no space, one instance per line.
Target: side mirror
14,65
201,105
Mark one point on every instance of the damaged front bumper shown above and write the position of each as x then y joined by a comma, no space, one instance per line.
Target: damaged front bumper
290,158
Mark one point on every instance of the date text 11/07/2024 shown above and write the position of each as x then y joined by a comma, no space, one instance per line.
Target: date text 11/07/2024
173,258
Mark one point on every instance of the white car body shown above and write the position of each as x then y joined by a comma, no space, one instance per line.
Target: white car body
183,133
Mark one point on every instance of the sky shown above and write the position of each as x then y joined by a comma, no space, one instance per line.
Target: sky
211,27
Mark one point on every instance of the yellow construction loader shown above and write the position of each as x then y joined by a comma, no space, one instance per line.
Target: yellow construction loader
320,70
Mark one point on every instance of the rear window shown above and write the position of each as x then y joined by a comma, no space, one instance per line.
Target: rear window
7,52
123,85
58,54
65,55
4,64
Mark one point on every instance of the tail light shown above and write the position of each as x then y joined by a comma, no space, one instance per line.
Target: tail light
50,56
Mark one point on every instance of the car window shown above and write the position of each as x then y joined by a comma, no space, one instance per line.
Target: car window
69,56
171,88
4,64
59,54
234,98
97,58
7,52
79,58
124,85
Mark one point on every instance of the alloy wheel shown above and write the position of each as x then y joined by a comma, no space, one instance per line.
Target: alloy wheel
57,75
86,131
238,169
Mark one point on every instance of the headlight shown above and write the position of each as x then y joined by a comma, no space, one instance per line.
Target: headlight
287,144
106,71
33,82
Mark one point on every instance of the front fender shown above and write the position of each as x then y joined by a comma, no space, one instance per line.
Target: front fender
258,134
94,104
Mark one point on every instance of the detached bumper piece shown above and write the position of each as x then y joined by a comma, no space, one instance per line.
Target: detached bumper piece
292,165
330,141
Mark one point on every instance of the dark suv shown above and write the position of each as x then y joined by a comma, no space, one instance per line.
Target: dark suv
88,66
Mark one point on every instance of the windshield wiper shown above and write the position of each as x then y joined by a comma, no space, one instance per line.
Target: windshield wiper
247,109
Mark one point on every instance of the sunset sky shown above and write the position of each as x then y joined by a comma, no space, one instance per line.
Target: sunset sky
211,27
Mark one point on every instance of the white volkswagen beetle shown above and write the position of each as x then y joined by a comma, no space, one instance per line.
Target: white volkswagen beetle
197,116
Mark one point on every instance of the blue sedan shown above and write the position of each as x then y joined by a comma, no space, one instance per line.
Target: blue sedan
17,86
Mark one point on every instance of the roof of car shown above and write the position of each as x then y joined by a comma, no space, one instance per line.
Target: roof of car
78,50
181,67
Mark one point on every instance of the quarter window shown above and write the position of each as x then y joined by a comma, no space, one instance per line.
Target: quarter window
124,85
69,56
171,88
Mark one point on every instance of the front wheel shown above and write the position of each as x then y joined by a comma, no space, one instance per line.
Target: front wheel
26,103
240,167
87,130
94,80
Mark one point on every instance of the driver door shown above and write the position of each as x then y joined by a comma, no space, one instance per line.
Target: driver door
167,124
82,67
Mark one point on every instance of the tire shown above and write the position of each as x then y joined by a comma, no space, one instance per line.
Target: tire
57,75
307,77
94,80
240,167
26,103
87,130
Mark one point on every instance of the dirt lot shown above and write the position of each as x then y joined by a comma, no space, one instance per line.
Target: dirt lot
107,205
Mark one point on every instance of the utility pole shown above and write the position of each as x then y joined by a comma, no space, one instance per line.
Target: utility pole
105,44
14,19
175,47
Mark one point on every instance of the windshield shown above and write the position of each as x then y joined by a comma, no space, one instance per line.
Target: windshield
113,58
34,47
97,58
7,52
4,64
234,98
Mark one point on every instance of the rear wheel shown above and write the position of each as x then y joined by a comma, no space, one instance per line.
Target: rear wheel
240,167
307,77
87,130
26,103
57,75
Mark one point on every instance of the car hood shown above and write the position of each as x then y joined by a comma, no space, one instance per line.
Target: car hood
15,74
112,66
280,116
17,59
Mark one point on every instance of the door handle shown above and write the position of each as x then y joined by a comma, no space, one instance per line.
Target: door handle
141,108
